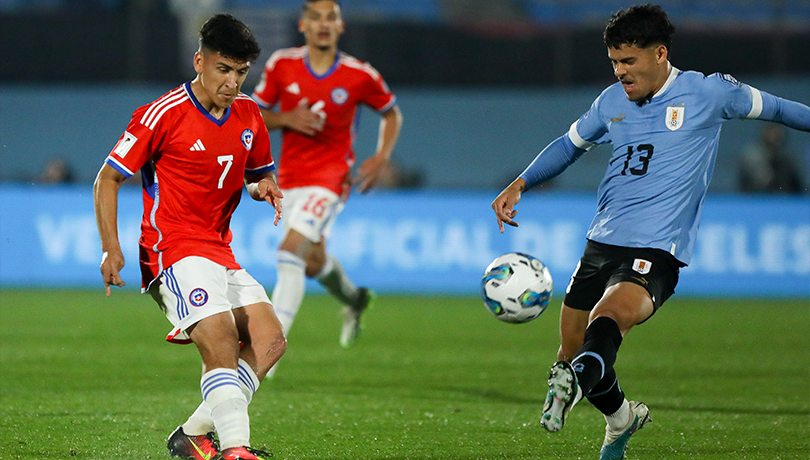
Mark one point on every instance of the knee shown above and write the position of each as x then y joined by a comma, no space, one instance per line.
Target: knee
624,318
276,346
315,264
625,303
279,344
272,350
313,254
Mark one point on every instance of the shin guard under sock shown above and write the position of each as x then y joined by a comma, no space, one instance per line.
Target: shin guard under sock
607,395
594,360
221,391
337,283
289,290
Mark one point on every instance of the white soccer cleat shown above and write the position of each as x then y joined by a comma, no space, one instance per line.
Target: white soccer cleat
615,443
563,393
351,325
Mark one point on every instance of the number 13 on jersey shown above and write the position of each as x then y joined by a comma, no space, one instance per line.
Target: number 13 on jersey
644,159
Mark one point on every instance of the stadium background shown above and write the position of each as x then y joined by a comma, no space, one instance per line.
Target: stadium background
483,86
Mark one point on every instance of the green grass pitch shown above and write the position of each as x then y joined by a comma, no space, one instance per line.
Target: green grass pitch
87,377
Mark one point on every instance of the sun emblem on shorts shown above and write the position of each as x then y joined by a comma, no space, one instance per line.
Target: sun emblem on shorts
198,297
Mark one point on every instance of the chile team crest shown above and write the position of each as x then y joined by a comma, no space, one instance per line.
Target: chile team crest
198,297
247,139
675,117
339,96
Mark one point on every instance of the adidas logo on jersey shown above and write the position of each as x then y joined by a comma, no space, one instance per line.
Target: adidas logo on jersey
198,146
293,88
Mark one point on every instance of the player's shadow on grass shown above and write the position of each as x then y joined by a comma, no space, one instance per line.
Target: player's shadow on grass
492,395
473,393
733,410
416,457
408,457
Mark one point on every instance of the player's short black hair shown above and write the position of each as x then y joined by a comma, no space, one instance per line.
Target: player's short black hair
308,3
642,26
228,36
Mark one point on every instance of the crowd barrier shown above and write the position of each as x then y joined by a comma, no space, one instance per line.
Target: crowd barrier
417,242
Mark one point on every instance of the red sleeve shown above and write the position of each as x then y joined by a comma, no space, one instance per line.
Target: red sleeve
376,93
266,94
134,147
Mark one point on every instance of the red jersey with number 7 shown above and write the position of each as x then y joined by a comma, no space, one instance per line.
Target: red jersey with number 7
324,159
192,167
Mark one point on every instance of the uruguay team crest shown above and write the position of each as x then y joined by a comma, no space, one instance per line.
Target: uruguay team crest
642,266
247,139
675,117
339,96
198,297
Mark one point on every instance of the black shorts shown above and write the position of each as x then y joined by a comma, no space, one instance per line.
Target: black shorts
603,265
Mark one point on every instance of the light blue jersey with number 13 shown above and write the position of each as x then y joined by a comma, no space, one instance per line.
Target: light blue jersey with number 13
664,151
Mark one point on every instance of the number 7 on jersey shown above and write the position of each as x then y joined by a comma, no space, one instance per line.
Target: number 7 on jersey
227,160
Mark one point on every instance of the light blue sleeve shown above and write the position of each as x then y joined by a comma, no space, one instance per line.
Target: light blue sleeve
744,101
789,113
553,160
590,129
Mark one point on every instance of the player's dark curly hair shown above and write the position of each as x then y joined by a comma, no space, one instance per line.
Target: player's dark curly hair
639,25
229,37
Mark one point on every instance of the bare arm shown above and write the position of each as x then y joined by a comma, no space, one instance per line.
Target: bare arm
370,170
105,199
506,201
264,187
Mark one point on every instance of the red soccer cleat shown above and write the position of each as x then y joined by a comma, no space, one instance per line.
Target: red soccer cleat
242,453
187,447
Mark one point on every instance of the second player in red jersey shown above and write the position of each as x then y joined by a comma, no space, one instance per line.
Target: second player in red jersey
289,81
317,90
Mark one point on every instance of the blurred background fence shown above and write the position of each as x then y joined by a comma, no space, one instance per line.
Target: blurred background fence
490,81
413,42
483,85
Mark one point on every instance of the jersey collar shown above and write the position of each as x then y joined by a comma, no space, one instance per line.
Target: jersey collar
219,122
328,72
673,73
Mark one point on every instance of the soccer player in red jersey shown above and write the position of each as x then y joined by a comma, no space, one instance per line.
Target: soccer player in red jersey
197,147
318,90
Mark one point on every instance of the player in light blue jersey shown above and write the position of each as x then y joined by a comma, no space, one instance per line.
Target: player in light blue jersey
664,125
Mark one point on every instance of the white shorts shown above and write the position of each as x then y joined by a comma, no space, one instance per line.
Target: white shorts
310,211
194,288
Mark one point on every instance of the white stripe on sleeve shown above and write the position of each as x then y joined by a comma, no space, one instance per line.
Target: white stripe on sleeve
756,103
578,141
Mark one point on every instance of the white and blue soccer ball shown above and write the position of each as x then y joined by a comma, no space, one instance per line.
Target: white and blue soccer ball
516,287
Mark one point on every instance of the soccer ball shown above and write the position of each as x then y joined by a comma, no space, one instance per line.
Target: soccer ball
516,287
